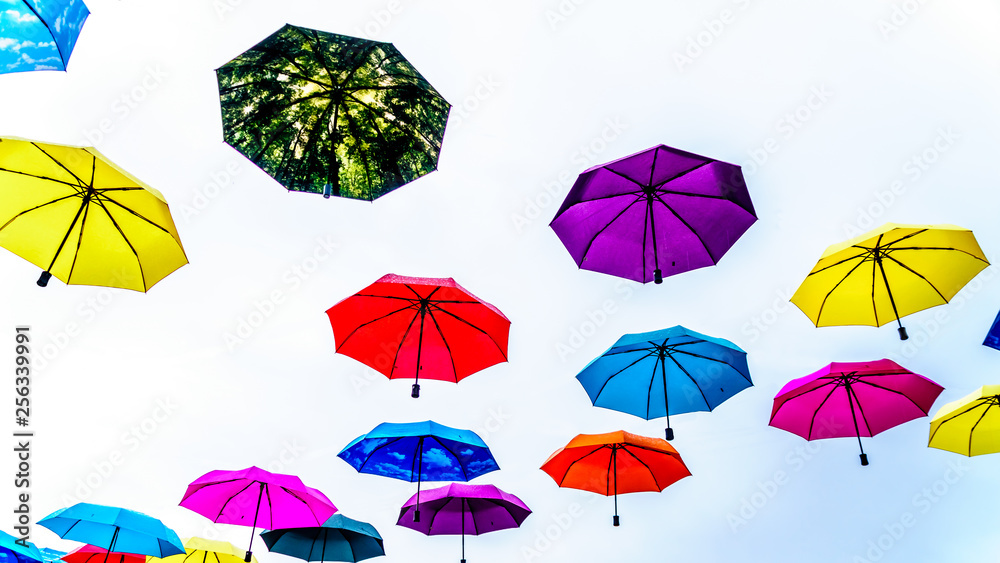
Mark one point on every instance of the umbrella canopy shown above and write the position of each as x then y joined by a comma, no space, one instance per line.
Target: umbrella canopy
420,451
616,462
852,399
252,497
121,530
888,273
460,509
670,371
429,328
969,426
80,218
653,214
331,114
338,539
39,34
95,554
200,550
13,552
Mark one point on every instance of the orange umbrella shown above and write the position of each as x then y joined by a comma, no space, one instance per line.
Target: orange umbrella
616,462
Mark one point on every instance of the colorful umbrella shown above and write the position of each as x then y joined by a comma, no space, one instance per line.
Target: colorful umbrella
464,509
200,550
121,530
889,273
272,500
338,539
39,34
654,214
13,552
420,451
616,462
429,328
670,371
852,399
969,426
95,554
332,114
80,218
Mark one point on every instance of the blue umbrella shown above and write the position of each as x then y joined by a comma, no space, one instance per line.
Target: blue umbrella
39,34
115,529
420,451
13,552
339,539
665,372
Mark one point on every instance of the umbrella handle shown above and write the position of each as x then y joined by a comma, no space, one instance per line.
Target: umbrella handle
670,433
657,276
864,459
415,391
43,280
902,333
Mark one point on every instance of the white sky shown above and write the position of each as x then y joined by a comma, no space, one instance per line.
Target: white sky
533,95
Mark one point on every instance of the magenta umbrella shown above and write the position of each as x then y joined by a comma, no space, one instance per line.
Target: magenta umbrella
271,500
654,214
853,399
464,509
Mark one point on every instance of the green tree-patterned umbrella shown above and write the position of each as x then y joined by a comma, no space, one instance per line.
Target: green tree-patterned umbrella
332,114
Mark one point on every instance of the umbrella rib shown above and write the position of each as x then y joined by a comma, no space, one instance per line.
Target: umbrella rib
460,319
689,376
812,421
648,468
61,165
649,390
973,429
371,453
907,268
402,124
125,238
295,494
454,369
689,227
861,411
866,252
11,220
611,461
870,384
939,248
79,241
454,455
133,212
955,415
580,458
318,52
76,186
586,250
366,323
678,175
874,280
608,379
711,359
822,305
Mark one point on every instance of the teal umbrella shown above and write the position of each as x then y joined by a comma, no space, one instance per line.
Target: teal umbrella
338,539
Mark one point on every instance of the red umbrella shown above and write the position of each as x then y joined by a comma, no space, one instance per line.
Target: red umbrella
420,327
92,554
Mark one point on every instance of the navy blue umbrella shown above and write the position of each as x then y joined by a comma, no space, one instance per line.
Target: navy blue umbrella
665,372
420,451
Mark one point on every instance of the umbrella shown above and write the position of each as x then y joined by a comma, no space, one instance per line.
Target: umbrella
121,530
71,212
420,451
95,554
331,114
852,399
616,462
654,214
200,550
429,328
272,500
670,371
11,551
464,509
888,273
39,34
993,336
338,539
969,426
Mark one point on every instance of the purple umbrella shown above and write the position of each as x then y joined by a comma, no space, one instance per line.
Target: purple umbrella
464,509
654,214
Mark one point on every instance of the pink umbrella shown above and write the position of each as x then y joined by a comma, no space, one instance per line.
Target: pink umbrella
271,500
853,399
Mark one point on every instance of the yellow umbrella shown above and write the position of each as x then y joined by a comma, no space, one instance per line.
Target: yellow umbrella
200,550
888,273
71,212
969,426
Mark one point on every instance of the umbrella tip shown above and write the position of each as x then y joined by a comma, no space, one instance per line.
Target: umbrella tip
902,333
415,392
670,433
864,459
657,276
43,280
616,521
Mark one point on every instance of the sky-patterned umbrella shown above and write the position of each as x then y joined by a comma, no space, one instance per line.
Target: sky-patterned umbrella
39,34
332,114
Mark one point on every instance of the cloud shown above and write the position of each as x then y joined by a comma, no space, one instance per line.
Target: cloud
20,17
